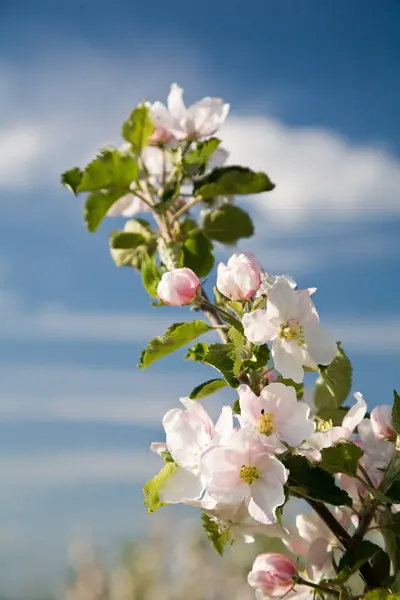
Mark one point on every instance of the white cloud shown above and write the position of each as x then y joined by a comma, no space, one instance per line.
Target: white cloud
320,176
368,336
76,468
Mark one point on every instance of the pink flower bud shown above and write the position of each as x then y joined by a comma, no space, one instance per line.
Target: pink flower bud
272,574
160,135
240,278
382,423
178,287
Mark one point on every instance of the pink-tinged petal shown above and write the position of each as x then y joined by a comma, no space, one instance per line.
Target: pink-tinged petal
265,499
382,423
206,116
298,426
176,105
321,344
257,327
250,405
181,485
356,413
158,447
319,559
288,359
197,410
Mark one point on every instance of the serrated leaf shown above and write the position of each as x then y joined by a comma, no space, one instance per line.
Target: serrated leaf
198,254
354,558
97,205
139,226
342,458
138,128
238,341
232,181
151,275
219,356
110,170
208,387
334,383
216,535
151,489
127,248
227,224
176,336
71,179
312,482
396,412
258,360
195,162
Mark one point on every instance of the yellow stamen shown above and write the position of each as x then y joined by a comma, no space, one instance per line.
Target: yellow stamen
293,332
266,423
324,425
248,474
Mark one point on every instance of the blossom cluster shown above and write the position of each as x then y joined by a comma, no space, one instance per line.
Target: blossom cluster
233,470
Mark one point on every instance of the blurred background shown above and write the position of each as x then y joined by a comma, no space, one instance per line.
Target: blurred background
314,89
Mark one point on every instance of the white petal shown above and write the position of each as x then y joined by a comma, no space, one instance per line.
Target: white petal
123,204
356,413
257,327
265,499
224,426
176,105
281,300
181,485
288,359
298,426
321,344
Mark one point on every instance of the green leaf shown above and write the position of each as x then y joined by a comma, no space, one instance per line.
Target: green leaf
342,458
313,482
151,489
354,558
333,385
227,224
218,536
176,336
138,128
393,492
151,275
258,360
238,341
71,179
299,387
124,247
97,205
381,595
231,181
195,162
219,356
380,563
109,170
198,254
207,388
396,412
236,407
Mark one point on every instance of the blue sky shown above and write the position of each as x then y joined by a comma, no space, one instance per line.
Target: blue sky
314,93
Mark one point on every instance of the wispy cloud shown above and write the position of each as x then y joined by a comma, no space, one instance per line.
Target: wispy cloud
369,336
77,468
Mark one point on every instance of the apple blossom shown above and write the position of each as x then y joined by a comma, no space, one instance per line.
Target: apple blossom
273,574
291,323
377,453
188,434
201,119
382,423
328,435
276,414
240,278
178,287
242,470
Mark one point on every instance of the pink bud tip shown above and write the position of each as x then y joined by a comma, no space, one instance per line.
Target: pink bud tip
178,287
273,574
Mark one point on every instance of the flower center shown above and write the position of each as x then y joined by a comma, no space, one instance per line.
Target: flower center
266,423
324,425
292,331
248,474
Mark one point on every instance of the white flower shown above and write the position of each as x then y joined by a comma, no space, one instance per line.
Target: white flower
188,434
330,436
291,323
377,453
276,415
242,470
201,119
